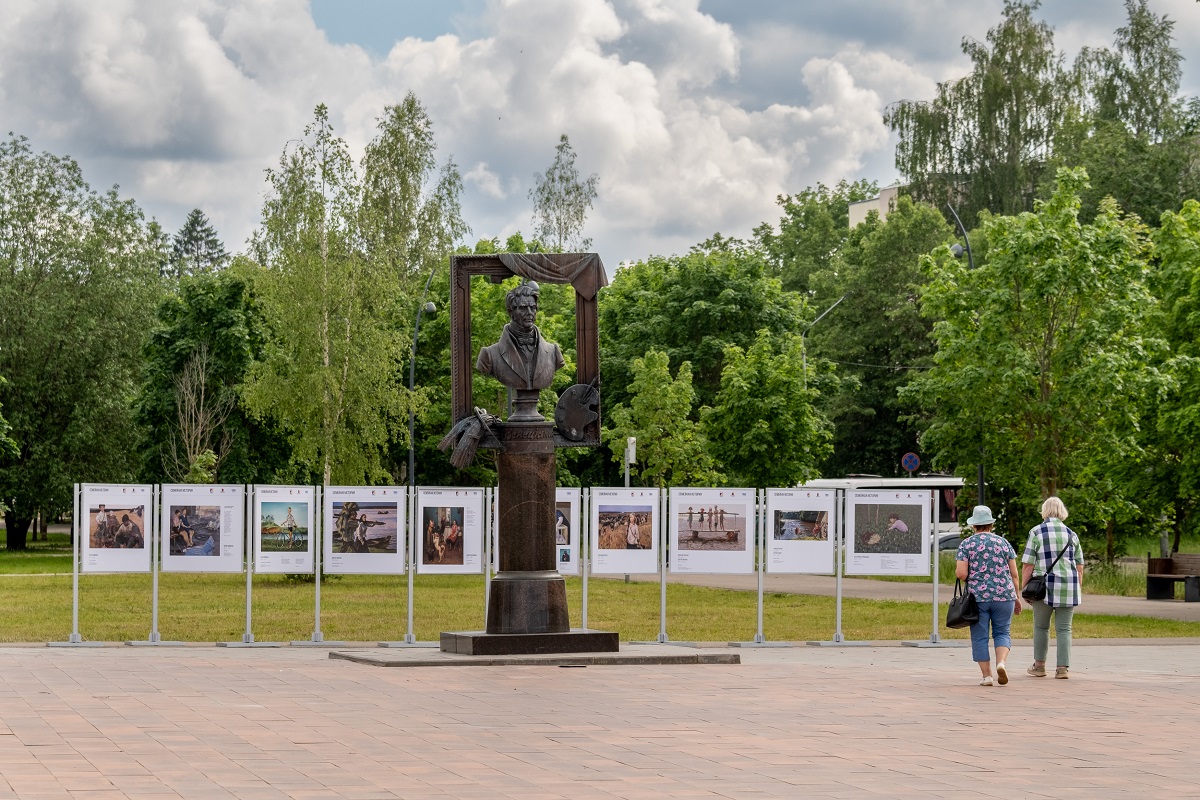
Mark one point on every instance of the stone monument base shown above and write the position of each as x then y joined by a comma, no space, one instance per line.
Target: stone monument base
528,602
577,640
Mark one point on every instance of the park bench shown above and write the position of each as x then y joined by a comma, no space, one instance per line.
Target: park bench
1163,573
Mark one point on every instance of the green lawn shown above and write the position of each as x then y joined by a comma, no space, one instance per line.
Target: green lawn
210,607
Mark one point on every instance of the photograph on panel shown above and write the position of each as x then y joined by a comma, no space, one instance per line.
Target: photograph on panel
713,526
802,526
365,527
283,526
562,523
195,530
564,555
887,528
625,527
442,534
116,528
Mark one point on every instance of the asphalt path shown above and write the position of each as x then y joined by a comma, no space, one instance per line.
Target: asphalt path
870,589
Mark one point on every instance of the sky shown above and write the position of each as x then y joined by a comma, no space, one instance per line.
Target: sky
694,114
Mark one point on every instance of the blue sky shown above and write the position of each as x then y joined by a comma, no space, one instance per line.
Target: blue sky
695,114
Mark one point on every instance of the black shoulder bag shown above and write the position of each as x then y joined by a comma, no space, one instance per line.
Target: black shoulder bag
1035,587
963,611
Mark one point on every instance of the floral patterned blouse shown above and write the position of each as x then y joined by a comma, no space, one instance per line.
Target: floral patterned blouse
987,556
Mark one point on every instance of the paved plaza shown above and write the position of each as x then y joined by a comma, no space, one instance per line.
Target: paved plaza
845,722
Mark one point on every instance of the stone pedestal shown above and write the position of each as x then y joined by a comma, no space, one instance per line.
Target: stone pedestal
527,609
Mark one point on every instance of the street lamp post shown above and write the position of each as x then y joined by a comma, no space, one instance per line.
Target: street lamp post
957,250
427,308
804,338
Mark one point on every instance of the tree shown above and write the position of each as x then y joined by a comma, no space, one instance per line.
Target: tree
208,334
814,226
876,336
1174,418
410,215
691,308
764,429
79,280
671,449
332,378
561,202
196,249
1136,139
985,139
1043,355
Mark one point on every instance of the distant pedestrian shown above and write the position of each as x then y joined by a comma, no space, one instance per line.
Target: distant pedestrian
1064,585
988,564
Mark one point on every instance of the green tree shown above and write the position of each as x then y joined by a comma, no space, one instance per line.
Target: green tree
1043,355
1174,425
561,202
985,139
332,379
208,335
1136,138
764,429
814,226
196,248
691,308
876,336
411,214
79,281
671,448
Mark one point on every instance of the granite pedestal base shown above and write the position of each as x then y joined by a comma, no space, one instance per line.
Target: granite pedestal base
578,640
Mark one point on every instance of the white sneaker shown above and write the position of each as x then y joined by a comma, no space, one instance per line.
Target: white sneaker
1001,674
986,681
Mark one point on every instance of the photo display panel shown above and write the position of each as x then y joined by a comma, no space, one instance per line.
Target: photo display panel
800,532
202,528
116,537
887,532
366,529
712,530
283,523
624,531
566,530
450,531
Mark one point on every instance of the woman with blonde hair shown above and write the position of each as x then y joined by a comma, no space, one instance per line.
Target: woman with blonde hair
1053,550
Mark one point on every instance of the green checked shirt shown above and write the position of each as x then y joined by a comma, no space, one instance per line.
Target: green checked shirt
1045,542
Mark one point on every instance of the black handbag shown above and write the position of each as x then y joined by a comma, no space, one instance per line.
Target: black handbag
963,611
1035,587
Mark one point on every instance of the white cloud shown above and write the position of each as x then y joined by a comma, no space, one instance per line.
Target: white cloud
693,121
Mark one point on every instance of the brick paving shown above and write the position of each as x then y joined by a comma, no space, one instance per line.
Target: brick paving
205,722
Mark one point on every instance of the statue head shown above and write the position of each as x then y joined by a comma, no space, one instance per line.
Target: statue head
522,305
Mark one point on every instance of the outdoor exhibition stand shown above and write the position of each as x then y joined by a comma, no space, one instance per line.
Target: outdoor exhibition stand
845,488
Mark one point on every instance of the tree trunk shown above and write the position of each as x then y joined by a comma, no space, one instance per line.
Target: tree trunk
45,518
18,530
1109,546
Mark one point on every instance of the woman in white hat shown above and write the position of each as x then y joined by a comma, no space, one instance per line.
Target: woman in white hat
988,564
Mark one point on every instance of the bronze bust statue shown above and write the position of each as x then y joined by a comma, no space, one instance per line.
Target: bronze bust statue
522,360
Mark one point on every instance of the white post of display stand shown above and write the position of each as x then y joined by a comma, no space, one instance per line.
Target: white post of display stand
839,640
75,640
935,636
248,636
153,532
317,535
585,539
410,638
489,497
761,551
662,567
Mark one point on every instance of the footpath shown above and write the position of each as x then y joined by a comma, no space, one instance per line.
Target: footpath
868,589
